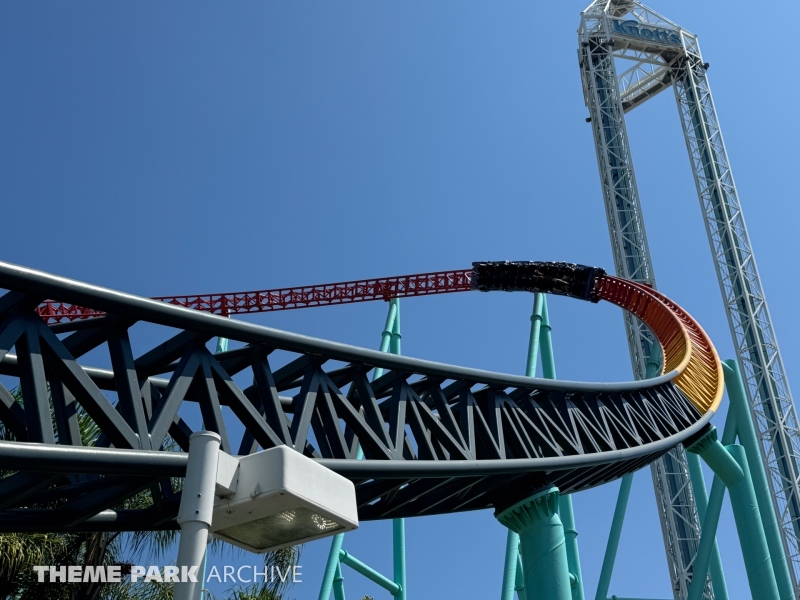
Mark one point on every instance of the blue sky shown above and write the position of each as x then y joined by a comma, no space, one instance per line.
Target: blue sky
206,147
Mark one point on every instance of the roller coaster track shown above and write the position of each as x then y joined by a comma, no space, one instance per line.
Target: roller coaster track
346,292
436,438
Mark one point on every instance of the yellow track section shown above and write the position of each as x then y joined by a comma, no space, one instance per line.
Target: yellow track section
686,348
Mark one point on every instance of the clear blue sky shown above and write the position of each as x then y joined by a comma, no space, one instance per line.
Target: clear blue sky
184,147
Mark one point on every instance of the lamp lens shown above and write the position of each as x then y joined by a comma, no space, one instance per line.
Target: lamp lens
282,528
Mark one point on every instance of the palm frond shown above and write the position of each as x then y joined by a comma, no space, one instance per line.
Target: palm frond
23,551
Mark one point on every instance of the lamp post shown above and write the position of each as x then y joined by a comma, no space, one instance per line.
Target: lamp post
195,514
260,502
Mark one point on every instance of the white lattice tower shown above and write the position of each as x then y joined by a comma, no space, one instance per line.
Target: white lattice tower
628,53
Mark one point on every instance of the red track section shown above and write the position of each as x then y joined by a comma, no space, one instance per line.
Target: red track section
365,290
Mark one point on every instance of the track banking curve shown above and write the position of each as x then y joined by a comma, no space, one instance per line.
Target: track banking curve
436,438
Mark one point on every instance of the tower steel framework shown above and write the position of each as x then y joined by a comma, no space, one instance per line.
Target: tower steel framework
658,54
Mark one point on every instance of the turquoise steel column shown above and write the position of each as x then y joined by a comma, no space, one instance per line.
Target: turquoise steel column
564,502
571,538
747,436
701,497
398,525
707,539
542,544
539,306
512,569
512,576
519,578
386,335
338,582
370,573
653,368
729,463
331,566
730,432
546,343
399,555
613,537
718,583
332,578
760,574
394,347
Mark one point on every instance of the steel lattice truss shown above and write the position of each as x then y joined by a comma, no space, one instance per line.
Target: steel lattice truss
436,438
748,316
612,32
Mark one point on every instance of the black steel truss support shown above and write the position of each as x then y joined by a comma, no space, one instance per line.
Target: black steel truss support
167,409
84,340
12,415
33,383
65,412
128,389
87,505
436,438
269,403
19,487
243,408
67,369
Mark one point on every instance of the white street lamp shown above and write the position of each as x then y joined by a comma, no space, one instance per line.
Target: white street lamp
278,498
260,502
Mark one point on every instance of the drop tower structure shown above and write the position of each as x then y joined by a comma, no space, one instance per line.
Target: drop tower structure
628,53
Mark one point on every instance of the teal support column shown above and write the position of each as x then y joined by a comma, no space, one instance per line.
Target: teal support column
338,582
398,525
542,545
613,537
718,583
330,567
333,579
571,540
399,556
707,540
729,463
370,573
701,497
760,574
564,502
730,432
386,334
394,347
546,343
747,436
519,577
512,576
533,341
652,369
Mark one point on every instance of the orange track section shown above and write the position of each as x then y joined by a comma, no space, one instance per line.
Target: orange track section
686,347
